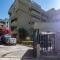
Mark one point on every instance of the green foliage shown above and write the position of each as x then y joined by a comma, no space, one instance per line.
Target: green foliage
22,33
26,43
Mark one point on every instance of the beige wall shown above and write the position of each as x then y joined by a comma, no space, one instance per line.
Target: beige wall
26,13
48,26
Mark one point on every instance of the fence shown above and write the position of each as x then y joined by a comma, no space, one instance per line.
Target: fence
46,41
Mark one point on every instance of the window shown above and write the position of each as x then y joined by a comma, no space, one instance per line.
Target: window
32,9
14,20
31,22
2,25
13,27
35,16
10,13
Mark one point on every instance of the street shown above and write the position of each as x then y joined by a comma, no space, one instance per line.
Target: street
20,52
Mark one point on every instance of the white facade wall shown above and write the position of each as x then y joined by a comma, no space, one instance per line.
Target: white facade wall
48,26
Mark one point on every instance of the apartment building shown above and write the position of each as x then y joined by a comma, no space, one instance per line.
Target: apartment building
24,14
54,15
52,25
4,22
53,22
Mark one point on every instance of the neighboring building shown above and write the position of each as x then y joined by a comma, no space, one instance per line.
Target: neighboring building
52,24
53,15
24,13
4,22
7,22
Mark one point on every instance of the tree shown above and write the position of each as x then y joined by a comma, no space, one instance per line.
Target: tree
22,33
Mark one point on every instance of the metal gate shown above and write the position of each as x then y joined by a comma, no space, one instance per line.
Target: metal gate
46,41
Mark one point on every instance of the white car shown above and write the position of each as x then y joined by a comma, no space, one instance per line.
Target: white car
10,40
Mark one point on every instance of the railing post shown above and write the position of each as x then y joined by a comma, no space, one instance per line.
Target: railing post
38,50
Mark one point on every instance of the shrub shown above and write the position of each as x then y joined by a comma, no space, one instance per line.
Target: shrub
22,33
28,43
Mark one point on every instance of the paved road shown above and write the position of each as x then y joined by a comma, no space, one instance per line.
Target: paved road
20,52
17,51
13,51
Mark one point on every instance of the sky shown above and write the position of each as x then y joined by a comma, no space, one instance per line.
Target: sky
45,4
4,7
48,4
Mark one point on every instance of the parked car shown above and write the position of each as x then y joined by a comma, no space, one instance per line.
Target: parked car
9,40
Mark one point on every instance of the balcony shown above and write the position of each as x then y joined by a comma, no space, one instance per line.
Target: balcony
35,16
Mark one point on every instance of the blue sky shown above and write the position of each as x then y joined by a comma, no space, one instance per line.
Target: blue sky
45,4
4,7
48,4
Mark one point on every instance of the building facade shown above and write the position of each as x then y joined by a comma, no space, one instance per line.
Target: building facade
7,22
4,22
54,15
24,14
50,26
